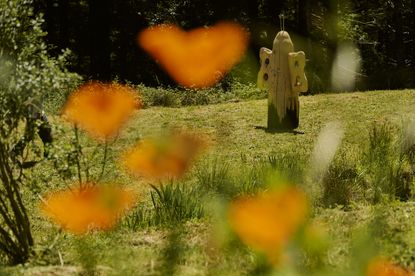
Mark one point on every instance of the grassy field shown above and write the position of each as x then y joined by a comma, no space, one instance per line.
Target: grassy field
239,150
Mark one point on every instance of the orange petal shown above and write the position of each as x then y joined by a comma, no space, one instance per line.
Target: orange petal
158,159
198,58
100,109
268,221
383,267
93,207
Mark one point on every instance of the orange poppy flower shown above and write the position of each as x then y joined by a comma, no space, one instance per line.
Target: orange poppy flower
100,109
163,158
198,58
383,267
268,221
93,207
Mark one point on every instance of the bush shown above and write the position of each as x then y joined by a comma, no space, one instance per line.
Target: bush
214,177
172,204
388,163
28,76
342,184
290,165
175,97
175,203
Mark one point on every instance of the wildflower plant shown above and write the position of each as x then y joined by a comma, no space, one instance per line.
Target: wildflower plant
94,207
267,222
26,73
100,110
166,158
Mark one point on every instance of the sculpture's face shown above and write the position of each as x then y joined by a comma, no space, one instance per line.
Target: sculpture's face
283,35
283,42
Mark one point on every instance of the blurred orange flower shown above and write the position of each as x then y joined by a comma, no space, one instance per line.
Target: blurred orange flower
92,207
198,58
383,267
163,158
100,109
268,221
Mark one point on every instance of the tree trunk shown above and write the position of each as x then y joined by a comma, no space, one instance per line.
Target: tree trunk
50,19
99,39
398,47
332,39
304,30
63,24
272,9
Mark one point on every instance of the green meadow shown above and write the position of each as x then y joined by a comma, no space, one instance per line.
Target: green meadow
363,200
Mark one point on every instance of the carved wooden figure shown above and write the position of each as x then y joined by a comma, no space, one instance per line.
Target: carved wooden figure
282,74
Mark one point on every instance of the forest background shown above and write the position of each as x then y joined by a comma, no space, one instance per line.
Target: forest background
102,36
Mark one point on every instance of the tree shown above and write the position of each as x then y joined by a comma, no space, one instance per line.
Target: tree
100,41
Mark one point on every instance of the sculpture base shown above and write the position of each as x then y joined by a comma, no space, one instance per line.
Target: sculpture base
290,121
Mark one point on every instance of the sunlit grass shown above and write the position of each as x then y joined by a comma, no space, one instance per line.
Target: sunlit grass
241,143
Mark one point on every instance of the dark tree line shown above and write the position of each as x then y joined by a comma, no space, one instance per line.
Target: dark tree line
102,34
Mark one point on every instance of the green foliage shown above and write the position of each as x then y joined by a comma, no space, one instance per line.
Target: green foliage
380,172
171,203
33,75
386,165
139,218
180,202
87,250
80,156
175,203
217,178
342,184
28,75
214,177
290,165
175,97
172,250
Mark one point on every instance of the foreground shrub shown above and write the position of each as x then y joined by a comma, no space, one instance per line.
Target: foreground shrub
15,233
175,97
343,182
27,75
175,203
388,163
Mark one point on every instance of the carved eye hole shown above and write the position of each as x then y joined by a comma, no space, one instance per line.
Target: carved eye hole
267,61
266,76
297,81
296,63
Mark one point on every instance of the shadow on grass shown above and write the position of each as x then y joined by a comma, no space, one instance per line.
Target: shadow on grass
274,131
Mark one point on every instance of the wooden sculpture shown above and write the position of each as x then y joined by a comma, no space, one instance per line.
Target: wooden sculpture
282,74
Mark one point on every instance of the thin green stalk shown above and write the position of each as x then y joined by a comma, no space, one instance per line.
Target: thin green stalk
21,208
19,224
10,196
90,161
78,163
104,161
